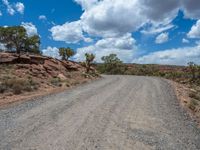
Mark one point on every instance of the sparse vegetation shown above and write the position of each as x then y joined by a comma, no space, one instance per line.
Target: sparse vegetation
18,73
193,104
37,75
112,65
69,53
193,70
62,53
183,74
88,62
56,81
195,95
3,88
66,53
22,70
16,39
17,85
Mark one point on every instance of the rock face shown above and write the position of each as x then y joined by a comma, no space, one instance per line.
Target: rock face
35,75
40,66
8,58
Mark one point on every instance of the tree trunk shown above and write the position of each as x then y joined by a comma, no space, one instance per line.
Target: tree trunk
193,75
87,68
199,72
18,52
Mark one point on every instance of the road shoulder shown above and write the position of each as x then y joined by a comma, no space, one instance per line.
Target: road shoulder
183,95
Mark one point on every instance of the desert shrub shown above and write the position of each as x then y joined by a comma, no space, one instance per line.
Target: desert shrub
90,74
31,84
194,95
193,70
193,104
2,88
67,84
85,75
56,81
197,82
171,75
161,74
76,82
95,74
17,85
17,88
112,65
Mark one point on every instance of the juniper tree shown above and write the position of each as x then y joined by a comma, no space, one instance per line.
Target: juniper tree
15,38
66,53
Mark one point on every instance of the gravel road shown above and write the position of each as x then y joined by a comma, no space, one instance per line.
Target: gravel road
113,113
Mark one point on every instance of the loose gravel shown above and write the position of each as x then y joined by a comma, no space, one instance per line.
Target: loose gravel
113,113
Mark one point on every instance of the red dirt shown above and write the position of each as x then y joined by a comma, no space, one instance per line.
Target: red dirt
43,71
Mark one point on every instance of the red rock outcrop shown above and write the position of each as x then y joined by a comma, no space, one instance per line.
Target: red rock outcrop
39,66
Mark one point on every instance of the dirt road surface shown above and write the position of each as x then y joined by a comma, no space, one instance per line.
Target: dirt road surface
113,113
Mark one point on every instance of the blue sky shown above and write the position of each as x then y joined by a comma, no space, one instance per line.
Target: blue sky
138,31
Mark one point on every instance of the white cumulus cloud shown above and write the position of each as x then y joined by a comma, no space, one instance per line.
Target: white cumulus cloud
20,7
195,31
123,46
69,32
113,20
162,38
86,4
51,52
179,56
112,17
30,28
12,8
116,17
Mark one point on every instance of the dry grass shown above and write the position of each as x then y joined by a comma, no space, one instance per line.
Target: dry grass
17,85
189,96
195,95
56,82
193,104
